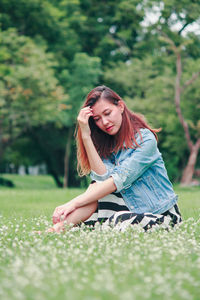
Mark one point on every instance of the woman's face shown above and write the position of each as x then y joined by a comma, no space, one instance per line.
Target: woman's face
108,116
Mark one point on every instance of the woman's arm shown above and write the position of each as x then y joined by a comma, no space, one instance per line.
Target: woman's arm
95,160
97,191
96,163
132,163
93,193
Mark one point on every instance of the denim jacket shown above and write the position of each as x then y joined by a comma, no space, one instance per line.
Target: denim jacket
140,176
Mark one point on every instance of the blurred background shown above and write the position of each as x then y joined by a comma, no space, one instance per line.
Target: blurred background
53,52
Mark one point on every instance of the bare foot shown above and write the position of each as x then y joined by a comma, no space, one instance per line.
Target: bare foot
57,228
37,231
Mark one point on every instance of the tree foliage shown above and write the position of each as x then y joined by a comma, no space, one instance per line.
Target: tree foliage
52,52
30,94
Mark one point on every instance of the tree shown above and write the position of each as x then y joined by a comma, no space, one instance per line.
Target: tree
171,20
179,90
175,19
30,94
147,87
84,75
70,36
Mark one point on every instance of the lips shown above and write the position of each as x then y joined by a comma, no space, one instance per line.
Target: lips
109,128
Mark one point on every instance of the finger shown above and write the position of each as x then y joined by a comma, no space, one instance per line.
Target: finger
67,212
55,220
62,217
88,116
58,208
58,212
86,110
85,115
55,215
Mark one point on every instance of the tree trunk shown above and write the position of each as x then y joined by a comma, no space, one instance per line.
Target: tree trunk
194,148
46,158
177,99
189,169
54,174
2,149
1,153
1,143
66,159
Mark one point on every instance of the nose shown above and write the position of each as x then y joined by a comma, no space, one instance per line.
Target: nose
104,121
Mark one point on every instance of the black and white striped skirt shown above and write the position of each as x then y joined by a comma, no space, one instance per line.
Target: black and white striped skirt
112,211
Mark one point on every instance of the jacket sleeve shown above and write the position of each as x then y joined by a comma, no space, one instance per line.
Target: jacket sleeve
134,162
109,168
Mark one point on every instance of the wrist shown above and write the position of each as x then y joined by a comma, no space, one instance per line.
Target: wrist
86,137
79,201
76,202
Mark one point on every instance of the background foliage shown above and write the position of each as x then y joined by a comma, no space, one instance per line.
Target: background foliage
53,52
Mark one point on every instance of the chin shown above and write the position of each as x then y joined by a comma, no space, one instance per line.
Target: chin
113,133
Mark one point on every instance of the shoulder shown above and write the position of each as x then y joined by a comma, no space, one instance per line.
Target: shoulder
145,135
146,141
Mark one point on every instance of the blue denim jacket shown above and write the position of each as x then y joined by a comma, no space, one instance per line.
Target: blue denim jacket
140,176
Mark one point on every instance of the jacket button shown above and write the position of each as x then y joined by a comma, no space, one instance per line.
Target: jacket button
132,206
123,191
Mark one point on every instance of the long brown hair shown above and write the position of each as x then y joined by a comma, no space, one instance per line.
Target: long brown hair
104,143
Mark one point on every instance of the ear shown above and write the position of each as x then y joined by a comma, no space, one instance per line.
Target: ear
121,106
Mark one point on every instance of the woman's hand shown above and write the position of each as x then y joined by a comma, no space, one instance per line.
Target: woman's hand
60,213
83,117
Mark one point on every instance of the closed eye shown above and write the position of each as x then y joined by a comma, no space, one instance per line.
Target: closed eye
106,113
96,119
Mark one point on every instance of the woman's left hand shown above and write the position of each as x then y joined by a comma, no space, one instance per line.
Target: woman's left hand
60,213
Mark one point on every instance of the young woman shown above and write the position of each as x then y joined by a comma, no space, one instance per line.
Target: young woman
129,180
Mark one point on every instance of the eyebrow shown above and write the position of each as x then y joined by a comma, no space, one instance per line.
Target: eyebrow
102,112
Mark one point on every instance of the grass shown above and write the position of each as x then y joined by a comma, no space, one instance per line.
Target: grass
93,264
32,182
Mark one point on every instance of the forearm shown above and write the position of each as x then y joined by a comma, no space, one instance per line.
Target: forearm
96,191
95,160
92,195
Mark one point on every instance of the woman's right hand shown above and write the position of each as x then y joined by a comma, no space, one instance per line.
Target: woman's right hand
83,117
60,213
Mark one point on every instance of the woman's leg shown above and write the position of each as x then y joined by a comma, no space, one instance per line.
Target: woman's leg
81,214
107,206
146,220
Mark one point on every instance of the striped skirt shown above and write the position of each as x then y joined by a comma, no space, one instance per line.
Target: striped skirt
112,211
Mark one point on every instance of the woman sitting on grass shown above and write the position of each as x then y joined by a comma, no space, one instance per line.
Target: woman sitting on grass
129,180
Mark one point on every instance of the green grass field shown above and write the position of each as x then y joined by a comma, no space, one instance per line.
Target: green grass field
93,264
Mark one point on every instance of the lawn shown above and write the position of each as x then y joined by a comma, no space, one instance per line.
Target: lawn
93,264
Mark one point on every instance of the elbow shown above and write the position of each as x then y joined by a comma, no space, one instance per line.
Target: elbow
99,177
118,182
